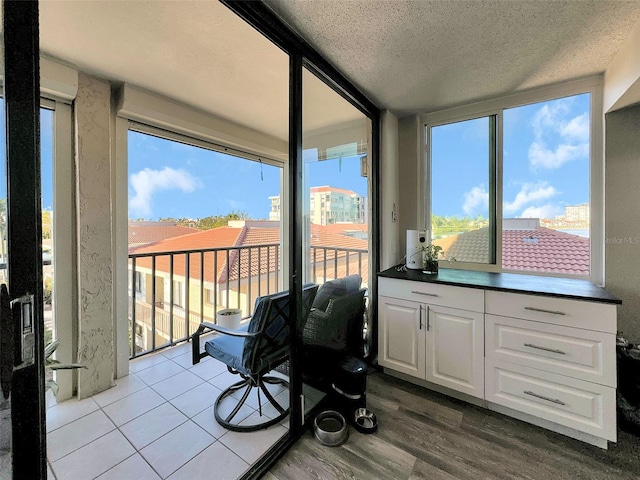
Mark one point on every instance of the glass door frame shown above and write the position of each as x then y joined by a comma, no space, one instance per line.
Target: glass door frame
22,113
302,55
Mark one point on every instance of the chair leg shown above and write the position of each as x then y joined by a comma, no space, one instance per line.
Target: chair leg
250,383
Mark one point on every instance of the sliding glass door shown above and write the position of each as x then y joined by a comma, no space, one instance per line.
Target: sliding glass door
336,229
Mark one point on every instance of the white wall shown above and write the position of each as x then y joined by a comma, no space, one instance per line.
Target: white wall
622,216
411,206
389,194
622,78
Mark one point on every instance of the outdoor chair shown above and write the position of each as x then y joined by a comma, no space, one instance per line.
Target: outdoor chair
334,329
252,352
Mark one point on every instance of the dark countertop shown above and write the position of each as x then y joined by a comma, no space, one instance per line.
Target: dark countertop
510,282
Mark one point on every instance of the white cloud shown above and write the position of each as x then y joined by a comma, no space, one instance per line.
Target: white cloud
146,183
529,193
570,137
476,201
577,128
544,211
541,157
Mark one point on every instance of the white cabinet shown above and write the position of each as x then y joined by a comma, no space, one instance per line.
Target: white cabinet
455,353
553,359
543,358
402,336
429,339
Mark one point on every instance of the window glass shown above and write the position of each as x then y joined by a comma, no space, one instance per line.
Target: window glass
546,205
460,190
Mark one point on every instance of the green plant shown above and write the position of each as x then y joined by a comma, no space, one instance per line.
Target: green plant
432,253
53,364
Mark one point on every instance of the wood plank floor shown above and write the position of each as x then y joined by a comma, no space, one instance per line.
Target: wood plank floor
425,435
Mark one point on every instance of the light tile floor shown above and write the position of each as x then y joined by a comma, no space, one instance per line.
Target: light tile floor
158,422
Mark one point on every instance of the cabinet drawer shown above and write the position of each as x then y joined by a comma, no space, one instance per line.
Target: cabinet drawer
596,316
583,406
578,353
433,294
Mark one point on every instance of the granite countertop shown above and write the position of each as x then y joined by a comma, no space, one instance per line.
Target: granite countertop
510,282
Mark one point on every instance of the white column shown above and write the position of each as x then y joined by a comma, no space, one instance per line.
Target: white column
95,276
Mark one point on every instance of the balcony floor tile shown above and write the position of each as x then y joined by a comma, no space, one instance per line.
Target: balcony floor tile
216,458
133,468
176,448
94,458
152,425
159,372
132,406
177,385
66,412
124,386
253,446
197,399
74,435
146,361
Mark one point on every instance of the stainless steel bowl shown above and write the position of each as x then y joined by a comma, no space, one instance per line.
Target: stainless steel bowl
330,428
365,421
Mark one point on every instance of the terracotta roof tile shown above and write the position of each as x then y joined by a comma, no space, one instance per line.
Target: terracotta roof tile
249,259
539,250
140,233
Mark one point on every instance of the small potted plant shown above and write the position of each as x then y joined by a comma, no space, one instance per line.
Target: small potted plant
430,255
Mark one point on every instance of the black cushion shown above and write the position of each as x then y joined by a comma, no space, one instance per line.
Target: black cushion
336,288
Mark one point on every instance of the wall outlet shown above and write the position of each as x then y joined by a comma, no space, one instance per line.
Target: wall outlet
394,216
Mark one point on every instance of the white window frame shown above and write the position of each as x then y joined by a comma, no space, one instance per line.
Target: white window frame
593,86
162,117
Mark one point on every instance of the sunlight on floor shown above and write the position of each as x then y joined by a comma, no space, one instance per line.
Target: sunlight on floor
157,423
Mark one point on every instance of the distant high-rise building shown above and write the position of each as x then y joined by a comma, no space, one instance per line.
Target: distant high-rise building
329,205
577,213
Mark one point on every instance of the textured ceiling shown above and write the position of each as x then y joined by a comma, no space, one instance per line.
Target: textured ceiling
197,52
425,55
408,56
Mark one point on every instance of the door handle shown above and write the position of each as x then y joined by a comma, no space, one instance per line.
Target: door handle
27,333
420,317
428,319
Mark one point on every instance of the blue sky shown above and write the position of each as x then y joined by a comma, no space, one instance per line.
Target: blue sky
546,161
169,179
546,166
46,157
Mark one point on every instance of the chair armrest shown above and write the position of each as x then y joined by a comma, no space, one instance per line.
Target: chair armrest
206,327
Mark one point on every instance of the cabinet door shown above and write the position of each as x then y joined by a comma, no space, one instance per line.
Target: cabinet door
402,335
455,349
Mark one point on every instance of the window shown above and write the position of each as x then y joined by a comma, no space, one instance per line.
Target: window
510,190
139,280
460,215
208,296
178,293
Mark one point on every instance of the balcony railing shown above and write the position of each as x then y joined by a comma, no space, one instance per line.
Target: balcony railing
165,286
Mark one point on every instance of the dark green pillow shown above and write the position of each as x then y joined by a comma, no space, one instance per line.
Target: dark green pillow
336,288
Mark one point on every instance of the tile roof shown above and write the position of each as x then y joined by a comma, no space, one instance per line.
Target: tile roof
249,259
142,233
534,250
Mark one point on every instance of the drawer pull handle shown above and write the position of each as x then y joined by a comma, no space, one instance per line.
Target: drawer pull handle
424,293
552,400
552,350
553,312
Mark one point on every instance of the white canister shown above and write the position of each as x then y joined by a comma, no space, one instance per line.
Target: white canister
229,318
416,240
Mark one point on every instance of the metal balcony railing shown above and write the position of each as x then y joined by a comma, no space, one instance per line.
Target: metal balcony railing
165,286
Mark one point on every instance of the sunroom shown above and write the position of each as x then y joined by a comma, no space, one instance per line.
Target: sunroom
141,104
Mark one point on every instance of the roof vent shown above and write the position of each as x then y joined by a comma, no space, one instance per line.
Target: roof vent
531,239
